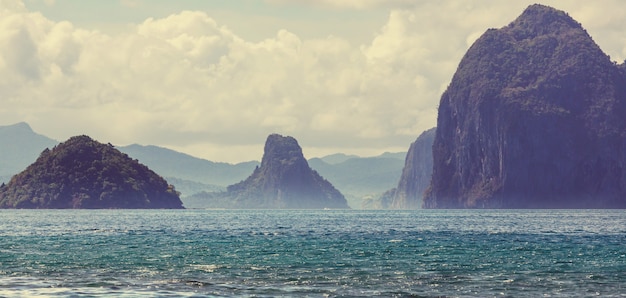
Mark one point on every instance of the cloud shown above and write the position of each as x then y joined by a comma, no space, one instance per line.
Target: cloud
10,6
347,4
19,52
130,3
189,82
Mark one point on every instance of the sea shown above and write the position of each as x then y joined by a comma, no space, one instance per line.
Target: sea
320,253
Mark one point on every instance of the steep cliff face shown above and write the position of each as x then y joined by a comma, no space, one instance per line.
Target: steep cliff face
283,181
535,117
84,174
416,174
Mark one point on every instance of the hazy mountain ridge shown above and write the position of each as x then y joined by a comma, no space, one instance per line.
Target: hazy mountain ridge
361,178
190,187
336,158
19,147
183,166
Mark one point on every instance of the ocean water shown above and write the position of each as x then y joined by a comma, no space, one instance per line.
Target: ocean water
206,253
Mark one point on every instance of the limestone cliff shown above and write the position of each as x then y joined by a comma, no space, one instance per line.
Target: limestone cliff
84,174
535,117
283,181
416,174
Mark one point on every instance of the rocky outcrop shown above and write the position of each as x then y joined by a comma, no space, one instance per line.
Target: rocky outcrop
283,181
84,174
535,117
416,174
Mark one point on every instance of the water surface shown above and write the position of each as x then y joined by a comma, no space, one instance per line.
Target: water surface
199,253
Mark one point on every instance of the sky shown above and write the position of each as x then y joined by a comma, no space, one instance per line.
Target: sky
213,78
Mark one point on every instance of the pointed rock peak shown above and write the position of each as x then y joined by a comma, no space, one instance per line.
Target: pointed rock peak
279,138
283,181
539,20
543,11
281,147
546,15
275,140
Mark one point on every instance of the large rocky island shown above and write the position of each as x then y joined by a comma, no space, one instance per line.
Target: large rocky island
283,181
535,117
84,174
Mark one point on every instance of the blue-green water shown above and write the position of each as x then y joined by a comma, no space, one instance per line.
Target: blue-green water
566,253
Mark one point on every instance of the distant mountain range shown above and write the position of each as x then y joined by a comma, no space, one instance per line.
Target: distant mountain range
184,167
337,158
356,177
361,178
19,147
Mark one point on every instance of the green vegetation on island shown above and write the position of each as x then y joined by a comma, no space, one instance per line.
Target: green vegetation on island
535,117
84,174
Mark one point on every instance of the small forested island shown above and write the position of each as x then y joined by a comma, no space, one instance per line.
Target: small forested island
283,181
534,117
84,174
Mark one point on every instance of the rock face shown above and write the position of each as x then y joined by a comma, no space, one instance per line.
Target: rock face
535,117
416,174
84,174
283,181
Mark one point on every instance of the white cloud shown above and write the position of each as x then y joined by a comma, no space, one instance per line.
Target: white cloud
189,82
7,6
348,4
19,52
130,3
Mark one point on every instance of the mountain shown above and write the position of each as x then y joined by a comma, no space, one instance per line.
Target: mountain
416,174
356,177
189,187
337,158
534,117
171,163
361,177
19,147
84,174
396,155
283,181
